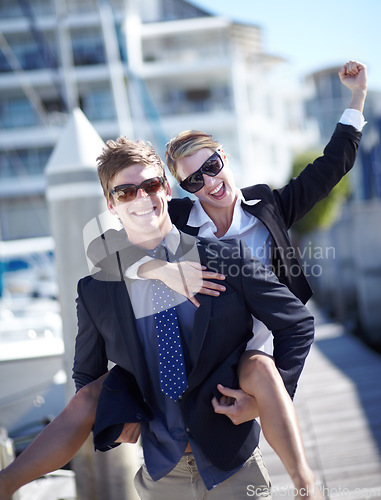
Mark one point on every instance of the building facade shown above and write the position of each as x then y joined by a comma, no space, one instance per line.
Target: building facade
145,69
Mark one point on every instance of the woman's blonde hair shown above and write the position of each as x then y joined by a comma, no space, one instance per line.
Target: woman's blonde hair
185,144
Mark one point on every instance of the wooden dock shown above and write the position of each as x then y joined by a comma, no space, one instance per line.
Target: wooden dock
338,402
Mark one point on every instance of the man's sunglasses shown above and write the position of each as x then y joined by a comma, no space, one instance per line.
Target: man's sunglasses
212,166
128,192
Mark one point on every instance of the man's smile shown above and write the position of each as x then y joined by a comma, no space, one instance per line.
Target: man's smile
144,212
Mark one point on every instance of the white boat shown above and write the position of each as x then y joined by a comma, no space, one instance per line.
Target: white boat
32,378
31,365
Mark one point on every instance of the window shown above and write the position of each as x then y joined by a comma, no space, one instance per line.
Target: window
98,105
30,52
10,8
173,9
194,100
4,66
82,6
27,217
54,104
23,162
198,98
88,49
17,113
28,55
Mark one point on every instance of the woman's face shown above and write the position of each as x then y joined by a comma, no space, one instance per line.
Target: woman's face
218,191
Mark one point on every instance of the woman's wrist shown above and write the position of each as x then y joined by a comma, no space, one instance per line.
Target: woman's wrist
151,269
358,99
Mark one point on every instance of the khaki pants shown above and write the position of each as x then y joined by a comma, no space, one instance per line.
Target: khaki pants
184,482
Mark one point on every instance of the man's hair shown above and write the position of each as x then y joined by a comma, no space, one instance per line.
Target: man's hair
122,153
185,144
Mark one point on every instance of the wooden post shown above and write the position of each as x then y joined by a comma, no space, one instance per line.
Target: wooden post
75,197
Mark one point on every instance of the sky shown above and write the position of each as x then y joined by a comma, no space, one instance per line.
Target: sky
313,35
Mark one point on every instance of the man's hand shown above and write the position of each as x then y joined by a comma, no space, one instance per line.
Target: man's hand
236,404
354,76
130,433
187,278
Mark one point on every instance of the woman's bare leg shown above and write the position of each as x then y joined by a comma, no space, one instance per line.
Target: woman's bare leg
260,378
56,444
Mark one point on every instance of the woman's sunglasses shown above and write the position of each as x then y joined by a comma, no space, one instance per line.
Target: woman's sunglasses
212,166
128,192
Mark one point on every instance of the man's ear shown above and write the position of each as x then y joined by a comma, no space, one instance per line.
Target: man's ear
110,207
168,193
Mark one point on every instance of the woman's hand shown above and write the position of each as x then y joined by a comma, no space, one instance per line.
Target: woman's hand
235,404
187,278
354,76
130,433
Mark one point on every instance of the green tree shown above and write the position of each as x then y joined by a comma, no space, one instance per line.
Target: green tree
324,213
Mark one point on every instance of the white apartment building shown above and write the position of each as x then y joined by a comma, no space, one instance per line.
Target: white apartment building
141,68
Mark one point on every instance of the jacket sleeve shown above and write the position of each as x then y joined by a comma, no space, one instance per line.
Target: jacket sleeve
120,402
90,360
289,320
317,180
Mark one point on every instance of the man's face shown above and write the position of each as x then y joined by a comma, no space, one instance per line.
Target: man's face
218,191
145,217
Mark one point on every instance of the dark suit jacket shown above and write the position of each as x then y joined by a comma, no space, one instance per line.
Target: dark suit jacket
222,327
279,209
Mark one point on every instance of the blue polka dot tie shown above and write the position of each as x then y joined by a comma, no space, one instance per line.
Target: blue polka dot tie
173,380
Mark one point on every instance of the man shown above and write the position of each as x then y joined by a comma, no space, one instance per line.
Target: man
116,322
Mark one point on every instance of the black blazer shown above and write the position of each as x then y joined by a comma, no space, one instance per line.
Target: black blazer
279,209
222,327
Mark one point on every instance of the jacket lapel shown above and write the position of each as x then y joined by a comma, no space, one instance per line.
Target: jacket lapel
127,329
200,327
262,212
201,321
